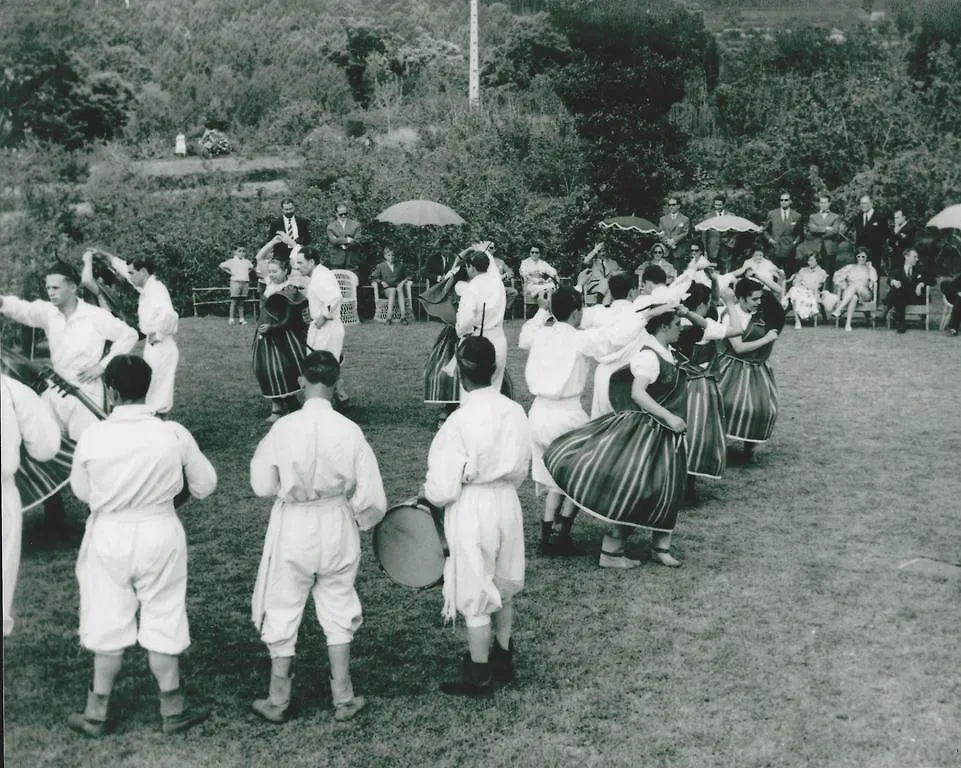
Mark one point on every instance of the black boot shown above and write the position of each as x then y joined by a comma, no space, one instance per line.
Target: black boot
476,681
502,663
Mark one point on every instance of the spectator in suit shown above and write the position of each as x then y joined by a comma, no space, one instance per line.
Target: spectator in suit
824,229
675,228
343,235
783,230
290,228
870,232
719,246
907,287
951,289
901,238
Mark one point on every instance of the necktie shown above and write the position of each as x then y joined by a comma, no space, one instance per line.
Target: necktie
865,219
290,227
908,273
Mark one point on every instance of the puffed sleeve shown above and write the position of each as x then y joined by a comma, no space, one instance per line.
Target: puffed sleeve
446,461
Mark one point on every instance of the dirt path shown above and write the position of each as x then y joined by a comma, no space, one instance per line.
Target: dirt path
191,165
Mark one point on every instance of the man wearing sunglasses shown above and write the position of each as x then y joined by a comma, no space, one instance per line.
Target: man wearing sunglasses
675,228
783,229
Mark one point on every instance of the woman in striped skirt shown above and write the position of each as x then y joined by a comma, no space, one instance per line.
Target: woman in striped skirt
281,341
744,376
629,467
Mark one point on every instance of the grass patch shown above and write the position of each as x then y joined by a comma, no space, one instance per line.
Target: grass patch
790,637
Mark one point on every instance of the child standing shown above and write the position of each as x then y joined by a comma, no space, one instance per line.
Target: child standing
238,266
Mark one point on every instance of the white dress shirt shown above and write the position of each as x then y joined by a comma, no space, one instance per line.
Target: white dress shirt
155,310
324,299
483,302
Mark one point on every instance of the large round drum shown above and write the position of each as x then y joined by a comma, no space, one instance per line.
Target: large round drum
409,544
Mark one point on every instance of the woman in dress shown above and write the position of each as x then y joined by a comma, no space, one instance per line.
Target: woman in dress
805,293
281,341
629,467
744,376
853,283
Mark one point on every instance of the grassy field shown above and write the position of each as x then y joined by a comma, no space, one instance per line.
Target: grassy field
791,637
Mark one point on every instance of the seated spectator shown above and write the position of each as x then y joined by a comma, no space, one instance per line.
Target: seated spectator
805,293
392,278
951,290
592,281
854,283
659,259
538,275
907,287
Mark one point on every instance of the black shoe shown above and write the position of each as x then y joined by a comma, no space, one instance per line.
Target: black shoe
502,663
565,547
902,329
477,681
545,547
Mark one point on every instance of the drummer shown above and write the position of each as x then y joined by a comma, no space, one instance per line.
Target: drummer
477,460
327,485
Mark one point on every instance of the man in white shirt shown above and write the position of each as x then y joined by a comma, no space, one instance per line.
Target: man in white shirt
327,485
158,322
482,307
133,558
557,369
478,459
77,333
326,330
24,421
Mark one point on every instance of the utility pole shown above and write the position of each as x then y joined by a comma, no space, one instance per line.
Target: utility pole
473,74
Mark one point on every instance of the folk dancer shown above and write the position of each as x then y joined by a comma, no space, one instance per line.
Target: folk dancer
326,329
629,467
478,459
743,374
482,307
77,334
557,369
281,341
158,321
24,421
328,487
129,468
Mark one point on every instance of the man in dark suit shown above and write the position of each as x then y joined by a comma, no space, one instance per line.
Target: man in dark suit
343,235
675,228
295,228
824,229
871,232
951,289
901,238
907,287
720,246
783,230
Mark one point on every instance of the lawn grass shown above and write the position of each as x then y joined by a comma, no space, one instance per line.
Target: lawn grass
790,638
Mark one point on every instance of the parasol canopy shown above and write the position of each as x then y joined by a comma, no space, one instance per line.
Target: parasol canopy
727,223
630,223
420,213
949,218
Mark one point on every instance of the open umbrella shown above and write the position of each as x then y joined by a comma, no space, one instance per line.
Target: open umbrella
949,218
420,213
632,223
727,223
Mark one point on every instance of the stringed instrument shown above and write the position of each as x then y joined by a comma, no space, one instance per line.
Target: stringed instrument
41,377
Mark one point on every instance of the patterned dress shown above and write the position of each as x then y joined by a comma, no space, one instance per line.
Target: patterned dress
706,426
279,353
627,467
747,387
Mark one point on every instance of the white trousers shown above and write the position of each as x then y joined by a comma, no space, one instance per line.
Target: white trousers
162,358
12,532
329,337
311,548
130,561
549,419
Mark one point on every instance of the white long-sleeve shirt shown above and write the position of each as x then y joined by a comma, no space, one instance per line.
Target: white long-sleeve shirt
559,361
486,440
134,461
26,421
667,294
317,454
323,294
483,302
155,310
76,342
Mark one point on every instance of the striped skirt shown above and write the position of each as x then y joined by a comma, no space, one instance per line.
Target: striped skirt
37,481
278,357
750,398
625,468
441,388
706,450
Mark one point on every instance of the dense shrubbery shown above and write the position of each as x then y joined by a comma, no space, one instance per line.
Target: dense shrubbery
590,109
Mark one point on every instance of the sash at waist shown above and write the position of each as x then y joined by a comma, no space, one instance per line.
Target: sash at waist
138,514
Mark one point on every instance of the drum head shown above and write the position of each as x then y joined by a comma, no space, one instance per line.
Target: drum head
408,546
